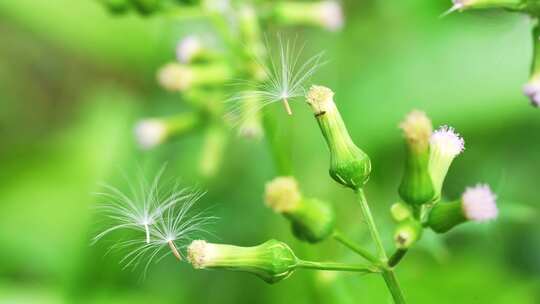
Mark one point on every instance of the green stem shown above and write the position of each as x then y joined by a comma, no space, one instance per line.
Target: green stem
396,257
338,236
393,285
337,266
366,212
388,274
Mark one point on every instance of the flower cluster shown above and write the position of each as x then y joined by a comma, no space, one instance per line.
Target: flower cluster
428,161
165,220
227,80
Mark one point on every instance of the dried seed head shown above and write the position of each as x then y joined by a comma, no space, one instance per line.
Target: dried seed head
320,98
199,251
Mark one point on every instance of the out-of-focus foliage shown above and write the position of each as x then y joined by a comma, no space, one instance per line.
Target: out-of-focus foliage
74,79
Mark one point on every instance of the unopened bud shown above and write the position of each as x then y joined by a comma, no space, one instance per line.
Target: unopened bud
400,212
349,165
178,77
272,261
312,220
407,233
326,14
477,204
416,186
154,131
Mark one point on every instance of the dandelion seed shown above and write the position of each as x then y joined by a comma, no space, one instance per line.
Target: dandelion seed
139,210
169,221
284,78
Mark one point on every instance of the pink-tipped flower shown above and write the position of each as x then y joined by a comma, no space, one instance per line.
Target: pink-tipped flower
188,48
331,15
445,144
532,90
479,203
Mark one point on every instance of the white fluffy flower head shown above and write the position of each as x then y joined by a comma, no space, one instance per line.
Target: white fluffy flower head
479,203
447,141
150,133
331,15
188,48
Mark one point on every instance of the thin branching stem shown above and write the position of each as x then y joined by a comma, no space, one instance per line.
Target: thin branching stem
388,274
337,266
339,237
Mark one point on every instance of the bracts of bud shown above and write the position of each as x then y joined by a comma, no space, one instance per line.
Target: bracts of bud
312,220
416,186
349,165
272,261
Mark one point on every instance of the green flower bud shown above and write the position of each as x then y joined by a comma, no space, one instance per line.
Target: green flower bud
326,14
400,212
146,7
477,203
445,144
178,77
349,165
271,261
117,6
312,220
416,186
151,132
407,233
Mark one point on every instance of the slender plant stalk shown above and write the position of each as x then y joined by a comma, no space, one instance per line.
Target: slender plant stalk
337,266
393,285
366,212
338,236
388,274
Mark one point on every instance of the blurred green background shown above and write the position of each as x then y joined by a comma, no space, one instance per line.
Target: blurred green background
74,79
